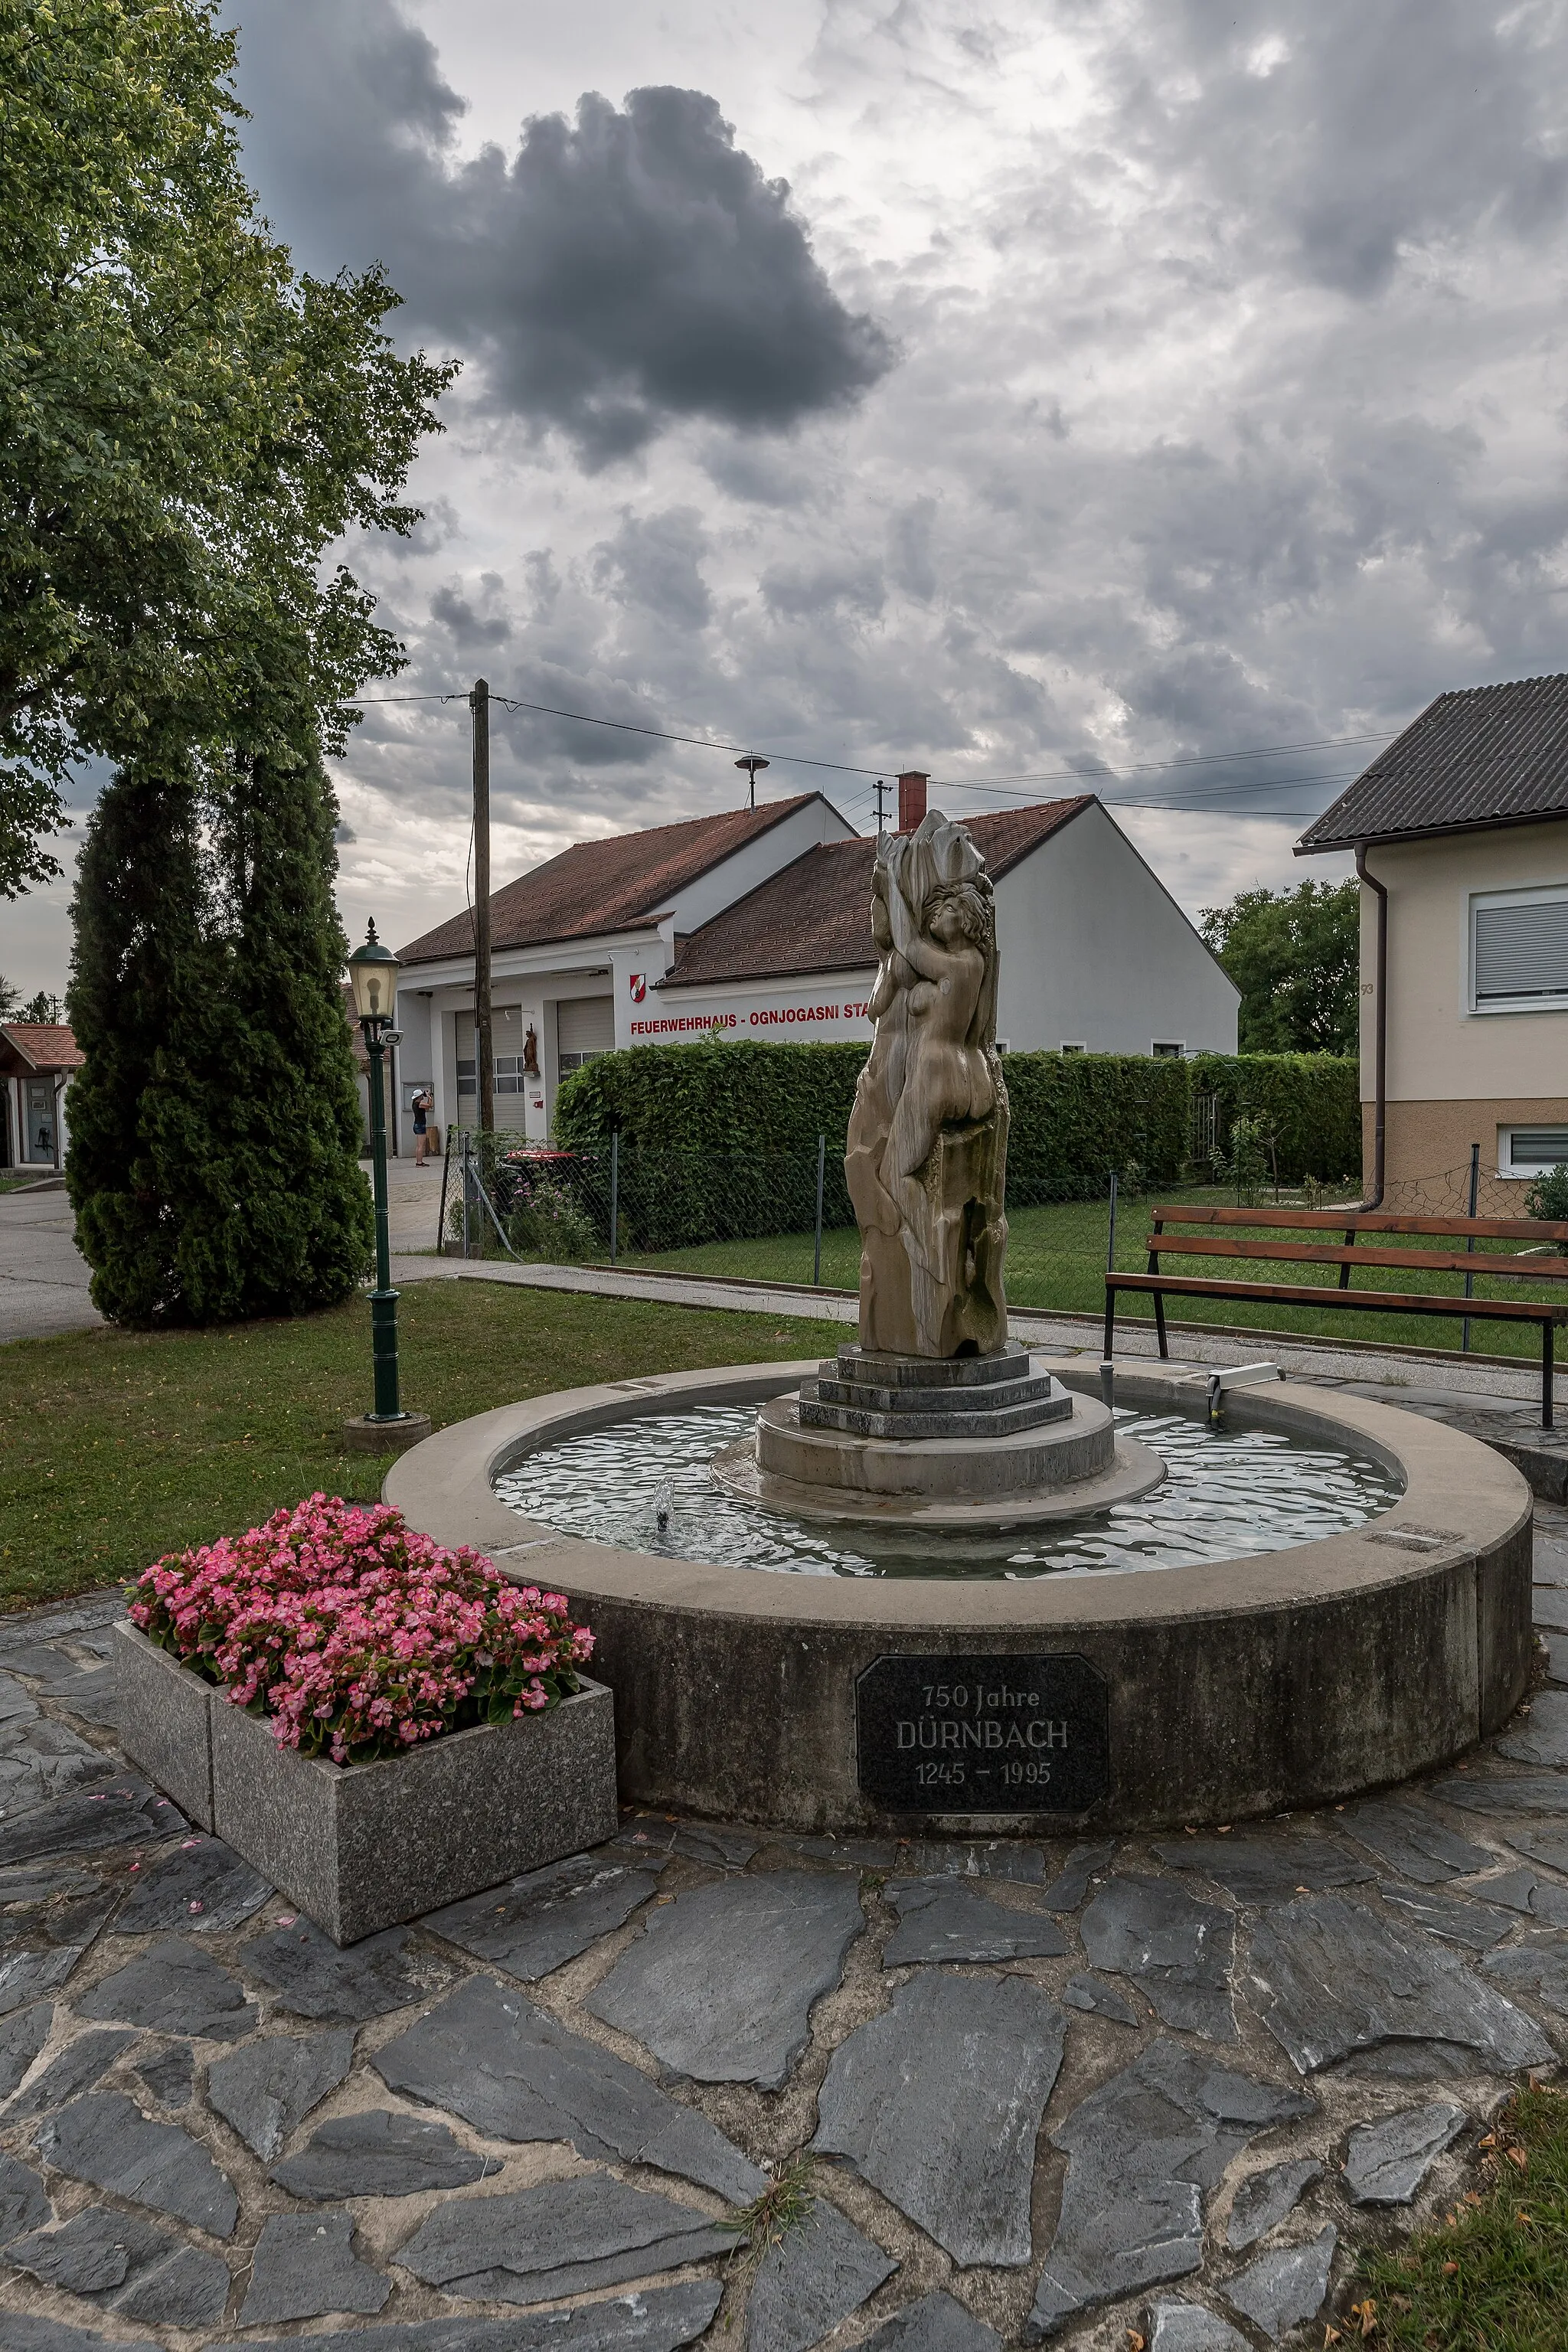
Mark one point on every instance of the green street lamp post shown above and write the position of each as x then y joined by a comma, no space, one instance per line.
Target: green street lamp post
372,976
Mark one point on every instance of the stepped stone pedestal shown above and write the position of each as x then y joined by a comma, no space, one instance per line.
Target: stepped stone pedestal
957,1442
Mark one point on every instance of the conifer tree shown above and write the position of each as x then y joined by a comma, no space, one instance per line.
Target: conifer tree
287,1100
214,1149
141,991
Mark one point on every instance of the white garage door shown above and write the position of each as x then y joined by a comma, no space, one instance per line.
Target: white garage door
584,1025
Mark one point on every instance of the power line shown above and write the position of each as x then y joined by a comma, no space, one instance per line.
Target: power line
1279,784
1084,780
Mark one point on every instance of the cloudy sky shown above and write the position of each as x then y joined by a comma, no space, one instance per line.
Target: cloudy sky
1019,390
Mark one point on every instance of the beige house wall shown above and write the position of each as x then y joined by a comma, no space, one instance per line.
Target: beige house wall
1428,1152
1455,1075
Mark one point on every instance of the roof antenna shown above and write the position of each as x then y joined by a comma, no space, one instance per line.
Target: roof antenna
751,761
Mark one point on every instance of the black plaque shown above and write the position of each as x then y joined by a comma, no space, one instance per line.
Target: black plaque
983,1735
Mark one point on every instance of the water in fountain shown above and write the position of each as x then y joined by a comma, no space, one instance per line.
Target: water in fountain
1227,1492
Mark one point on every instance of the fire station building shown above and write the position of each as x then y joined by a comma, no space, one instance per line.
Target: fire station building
756,923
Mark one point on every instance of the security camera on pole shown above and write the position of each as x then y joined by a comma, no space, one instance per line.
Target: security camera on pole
387,1429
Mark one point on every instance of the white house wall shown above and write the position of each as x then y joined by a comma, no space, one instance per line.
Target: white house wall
824,1011
1096,952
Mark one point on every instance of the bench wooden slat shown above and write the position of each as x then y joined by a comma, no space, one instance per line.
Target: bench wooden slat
1373,1220
1552,1269
1387,1302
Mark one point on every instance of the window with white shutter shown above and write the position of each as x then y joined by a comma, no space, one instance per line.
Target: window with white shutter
1518,950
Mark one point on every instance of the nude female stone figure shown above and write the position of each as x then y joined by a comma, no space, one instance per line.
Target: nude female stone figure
927,1142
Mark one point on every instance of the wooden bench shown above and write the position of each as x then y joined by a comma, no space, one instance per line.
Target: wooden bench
1234,1234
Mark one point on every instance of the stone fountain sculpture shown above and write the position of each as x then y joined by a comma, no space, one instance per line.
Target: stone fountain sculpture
927,1158
936,1418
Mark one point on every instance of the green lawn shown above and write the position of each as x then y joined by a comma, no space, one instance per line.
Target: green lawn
1056,1259
1493,2275
120,1446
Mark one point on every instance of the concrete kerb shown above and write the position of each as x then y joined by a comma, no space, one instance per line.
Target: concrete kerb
1236,1687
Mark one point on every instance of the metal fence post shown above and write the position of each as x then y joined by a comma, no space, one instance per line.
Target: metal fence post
614,1193
1470,1243
445,1179
468,1191
817,1248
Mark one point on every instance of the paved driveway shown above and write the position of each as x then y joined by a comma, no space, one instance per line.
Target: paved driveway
43,1274
44,1277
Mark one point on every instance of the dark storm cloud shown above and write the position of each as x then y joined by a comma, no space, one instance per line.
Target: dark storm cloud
623,268
636,264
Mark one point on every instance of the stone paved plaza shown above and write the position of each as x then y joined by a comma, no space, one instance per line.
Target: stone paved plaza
1026,2093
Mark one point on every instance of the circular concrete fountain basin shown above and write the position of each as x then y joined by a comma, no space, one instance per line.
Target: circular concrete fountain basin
1211,1692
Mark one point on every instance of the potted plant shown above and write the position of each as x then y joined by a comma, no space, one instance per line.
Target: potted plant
377,1724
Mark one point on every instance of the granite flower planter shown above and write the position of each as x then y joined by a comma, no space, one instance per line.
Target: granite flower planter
162,1710
361,1846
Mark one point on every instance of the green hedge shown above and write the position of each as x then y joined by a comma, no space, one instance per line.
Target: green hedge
734,1098
1074,1116
1309,1103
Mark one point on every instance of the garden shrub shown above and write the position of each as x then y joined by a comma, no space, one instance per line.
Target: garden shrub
547,1219
1548,1196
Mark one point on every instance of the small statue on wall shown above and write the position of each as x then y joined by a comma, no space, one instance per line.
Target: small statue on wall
530,1052
926,1163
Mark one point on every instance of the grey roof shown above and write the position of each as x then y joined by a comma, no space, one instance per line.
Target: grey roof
1488,755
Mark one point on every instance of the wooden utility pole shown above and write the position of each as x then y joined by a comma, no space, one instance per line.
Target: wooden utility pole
484,1038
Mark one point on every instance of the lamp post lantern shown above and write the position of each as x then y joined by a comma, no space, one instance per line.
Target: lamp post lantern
373,977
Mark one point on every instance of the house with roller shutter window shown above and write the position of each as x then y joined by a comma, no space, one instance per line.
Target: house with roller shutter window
1459,830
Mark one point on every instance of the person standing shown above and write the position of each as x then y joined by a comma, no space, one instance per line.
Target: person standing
424,1103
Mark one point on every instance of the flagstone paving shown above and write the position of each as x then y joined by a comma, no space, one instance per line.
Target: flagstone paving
1037,2092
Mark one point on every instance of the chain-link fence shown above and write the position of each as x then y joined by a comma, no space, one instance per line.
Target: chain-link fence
625,1203
784,1217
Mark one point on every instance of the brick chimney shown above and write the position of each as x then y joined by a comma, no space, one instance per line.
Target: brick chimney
912,799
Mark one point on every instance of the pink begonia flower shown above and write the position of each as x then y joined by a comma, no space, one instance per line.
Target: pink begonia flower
355,1635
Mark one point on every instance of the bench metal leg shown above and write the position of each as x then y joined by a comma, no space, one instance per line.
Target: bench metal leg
1110,1321
1160,1320
1546,1372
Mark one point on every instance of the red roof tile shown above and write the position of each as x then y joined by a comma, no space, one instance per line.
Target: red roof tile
42,1044
605,885
815,915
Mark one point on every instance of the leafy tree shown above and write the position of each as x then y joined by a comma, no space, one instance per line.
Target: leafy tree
42,1007
189,425
1296,957
186,424
9,999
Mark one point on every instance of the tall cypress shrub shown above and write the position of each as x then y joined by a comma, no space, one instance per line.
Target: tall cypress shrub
287,1100
215,1128
141,979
